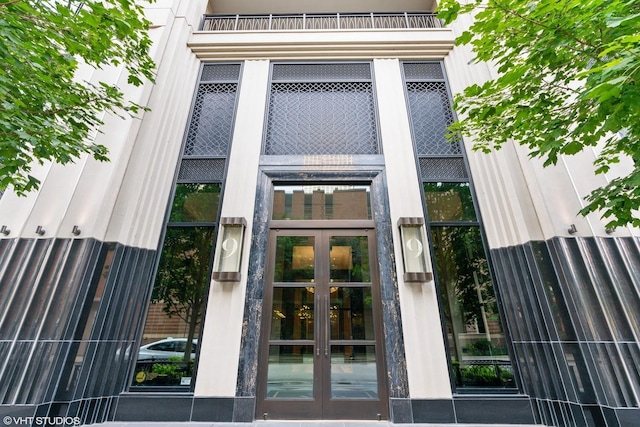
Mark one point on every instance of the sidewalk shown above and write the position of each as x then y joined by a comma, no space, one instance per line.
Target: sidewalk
287,423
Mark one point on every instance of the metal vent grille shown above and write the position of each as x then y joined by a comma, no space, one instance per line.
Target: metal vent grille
212,120
423,71
220,72
321,72
321,118
442,168
201,170
430,116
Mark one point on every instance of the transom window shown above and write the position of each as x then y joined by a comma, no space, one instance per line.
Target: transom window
321,202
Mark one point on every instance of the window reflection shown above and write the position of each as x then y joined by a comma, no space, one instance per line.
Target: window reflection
449,201
351,313
349,256
297,202
170,337
293,314
290,372
476,340
353,372
195,203
295,259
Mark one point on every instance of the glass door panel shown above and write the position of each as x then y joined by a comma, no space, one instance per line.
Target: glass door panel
294,259
349,257
353,372
290,372
292,314
351,313
321,350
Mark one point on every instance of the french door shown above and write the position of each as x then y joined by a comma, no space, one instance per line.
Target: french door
321,354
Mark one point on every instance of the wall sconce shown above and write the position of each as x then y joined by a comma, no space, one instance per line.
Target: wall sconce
40,231
76,230
226,264
4,230
414,240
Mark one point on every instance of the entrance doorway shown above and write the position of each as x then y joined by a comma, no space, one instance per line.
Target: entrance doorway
321,354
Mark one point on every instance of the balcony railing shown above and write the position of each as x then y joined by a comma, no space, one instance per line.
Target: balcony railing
308,21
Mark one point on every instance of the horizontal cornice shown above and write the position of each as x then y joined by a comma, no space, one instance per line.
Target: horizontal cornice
322,44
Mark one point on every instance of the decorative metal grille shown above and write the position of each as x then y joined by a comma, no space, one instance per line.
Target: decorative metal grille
212,120
423,71
321,118
442,168
201,170
220,72
430,115
321,72
307,21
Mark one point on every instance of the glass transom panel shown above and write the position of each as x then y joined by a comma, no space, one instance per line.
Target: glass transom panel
321,202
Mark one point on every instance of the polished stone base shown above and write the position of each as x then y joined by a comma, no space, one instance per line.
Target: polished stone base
467,409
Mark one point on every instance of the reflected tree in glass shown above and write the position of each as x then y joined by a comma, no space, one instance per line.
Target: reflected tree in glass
465,283
195,203
183,275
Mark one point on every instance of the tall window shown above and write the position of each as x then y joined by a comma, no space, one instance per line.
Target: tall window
166,359
474,332
321,109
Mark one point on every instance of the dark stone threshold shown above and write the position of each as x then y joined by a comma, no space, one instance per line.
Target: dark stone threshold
163,407
469,409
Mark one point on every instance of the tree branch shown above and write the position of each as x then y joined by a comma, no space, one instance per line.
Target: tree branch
7,3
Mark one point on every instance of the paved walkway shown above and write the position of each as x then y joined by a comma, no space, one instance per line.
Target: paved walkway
299,424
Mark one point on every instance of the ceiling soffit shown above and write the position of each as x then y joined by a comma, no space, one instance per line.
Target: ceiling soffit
314,6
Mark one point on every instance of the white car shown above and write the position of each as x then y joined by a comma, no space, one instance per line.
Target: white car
164,349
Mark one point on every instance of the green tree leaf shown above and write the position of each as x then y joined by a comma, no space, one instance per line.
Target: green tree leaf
46,114
569,78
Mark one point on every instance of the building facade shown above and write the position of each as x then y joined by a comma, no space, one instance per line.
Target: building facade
288,234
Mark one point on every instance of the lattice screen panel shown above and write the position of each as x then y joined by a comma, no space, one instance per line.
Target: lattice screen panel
321,72
220,72
430,115
423,71
201,170
321,118
212,120
443,168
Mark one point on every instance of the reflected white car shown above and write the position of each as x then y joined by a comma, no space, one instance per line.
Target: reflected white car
164,349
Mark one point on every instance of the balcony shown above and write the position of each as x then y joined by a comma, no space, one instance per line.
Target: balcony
313,21
321,36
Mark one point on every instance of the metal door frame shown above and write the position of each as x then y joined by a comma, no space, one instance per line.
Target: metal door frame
323,406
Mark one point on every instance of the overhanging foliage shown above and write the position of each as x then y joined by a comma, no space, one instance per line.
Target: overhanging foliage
46,112
569,79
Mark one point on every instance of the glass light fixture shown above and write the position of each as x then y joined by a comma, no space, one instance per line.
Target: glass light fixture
414,254
226,265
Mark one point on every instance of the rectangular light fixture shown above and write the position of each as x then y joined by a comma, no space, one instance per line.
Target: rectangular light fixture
414,254
226,264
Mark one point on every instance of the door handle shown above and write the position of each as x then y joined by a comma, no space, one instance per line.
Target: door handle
318,316
327,326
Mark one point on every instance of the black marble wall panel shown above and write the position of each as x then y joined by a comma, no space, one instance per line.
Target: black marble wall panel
370,170
72,311
571,306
